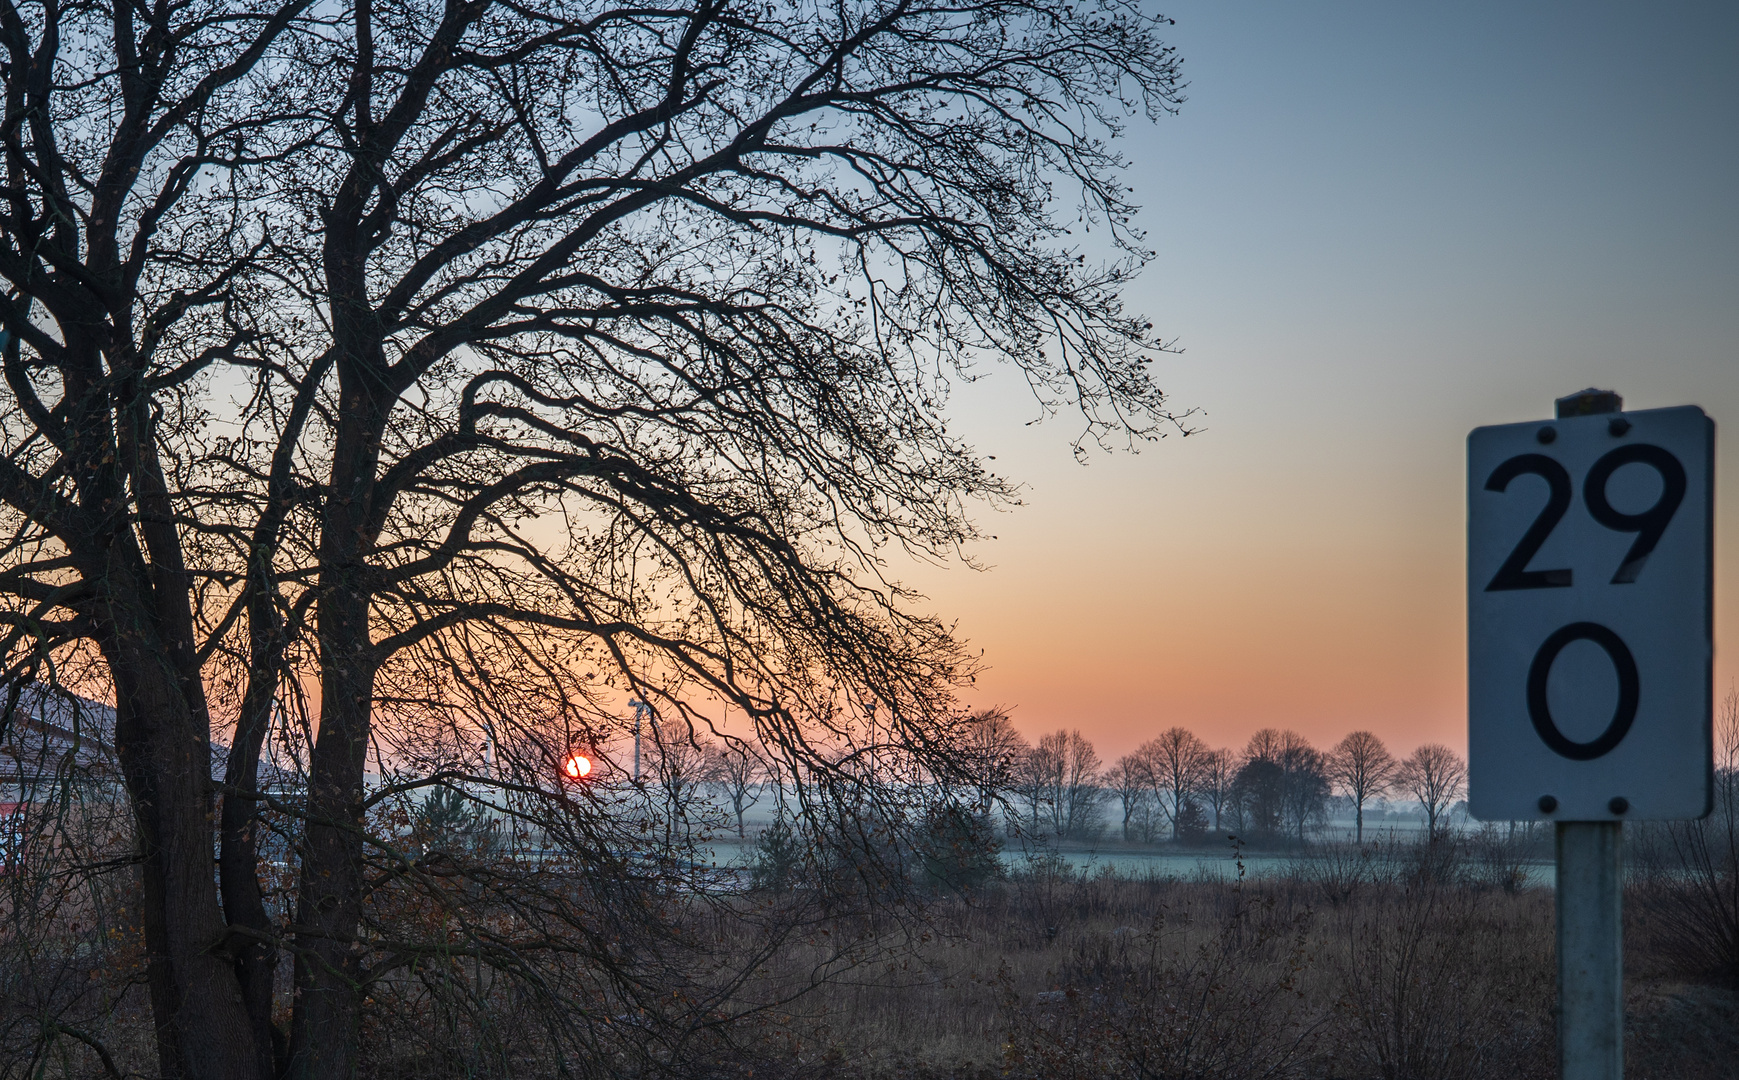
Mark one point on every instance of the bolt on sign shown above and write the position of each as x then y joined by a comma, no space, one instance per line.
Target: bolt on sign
1589,554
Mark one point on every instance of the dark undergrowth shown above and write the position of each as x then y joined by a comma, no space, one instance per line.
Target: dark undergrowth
1410,963
1405,963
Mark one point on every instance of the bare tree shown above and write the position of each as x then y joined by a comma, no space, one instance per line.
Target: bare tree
681,762
994,751
1259,786
418,371
738,771
1130,779
1066,766
1052,767
1306,783
1038,779
1218,771
1281,782
1727,745
126,281
1083,795
1363,768
1174,761
1435,775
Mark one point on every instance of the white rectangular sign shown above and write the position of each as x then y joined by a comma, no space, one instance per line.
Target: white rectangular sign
1589,617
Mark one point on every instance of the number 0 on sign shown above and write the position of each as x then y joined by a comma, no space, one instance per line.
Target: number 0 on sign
1589,550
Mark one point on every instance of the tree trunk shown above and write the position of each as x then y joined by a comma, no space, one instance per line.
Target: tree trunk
159,974
238,861
165,754
324,1028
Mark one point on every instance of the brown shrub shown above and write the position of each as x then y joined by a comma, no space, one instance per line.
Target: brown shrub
1438,980
1420,971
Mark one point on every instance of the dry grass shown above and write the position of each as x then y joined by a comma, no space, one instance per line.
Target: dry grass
1403,967
1424,970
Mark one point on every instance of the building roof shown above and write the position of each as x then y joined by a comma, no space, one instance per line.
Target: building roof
52,731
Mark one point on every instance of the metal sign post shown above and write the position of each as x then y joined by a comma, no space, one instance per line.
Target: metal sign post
1590,682
1590,951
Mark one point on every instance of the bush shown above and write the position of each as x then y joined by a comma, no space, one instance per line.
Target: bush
779,856
1499,858
1192,822
447,820
1439,981
1179,999
959,849
1688,887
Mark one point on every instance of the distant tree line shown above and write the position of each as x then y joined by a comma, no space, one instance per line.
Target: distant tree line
1176,787
1172,787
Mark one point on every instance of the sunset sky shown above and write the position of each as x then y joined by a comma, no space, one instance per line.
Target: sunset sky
1378,226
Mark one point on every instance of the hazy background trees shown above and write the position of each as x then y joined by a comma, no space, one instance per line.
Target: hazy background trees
1280,785
1063,786
1129,781
1277,788
1362,767
1435,776
1174,762
738,771
1307,787
1219,769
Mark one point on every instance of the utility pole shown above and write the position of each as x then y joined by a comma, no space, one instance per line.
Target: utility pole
641,709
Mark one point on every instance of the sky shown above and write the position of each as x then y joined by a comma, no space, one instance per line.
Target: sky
1377,227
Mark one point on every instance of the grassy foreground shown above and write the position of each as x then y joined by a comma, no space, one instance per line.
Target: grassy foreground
1416,972
1410,962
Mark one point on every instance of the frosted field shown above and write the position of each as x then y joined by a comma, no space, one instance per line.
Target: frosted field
1126,863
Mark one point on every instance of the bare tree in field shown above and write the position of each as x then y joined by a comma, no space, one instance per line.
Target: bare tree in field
1174,760
1052,753
1219,770
1067,766
1281,781
1061,768
439,375
1435,775
1363,768
1130,780
736,768
1306,786
994,752
1038,778
1083,795
680,761
1259,786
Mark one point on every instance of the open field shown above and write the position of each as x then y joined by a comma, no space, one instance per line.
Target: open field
1428,974
1201,862
1404,961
